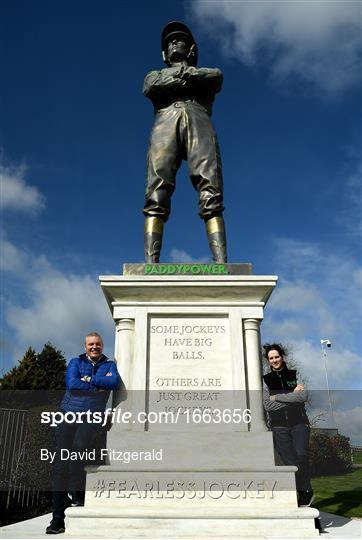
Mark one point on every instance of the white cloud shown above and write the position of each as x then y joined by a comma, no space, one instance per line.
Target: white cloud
319,299
357,277
317,41
349,423
41,303
16,194
351,217
178,255
56,307
11,258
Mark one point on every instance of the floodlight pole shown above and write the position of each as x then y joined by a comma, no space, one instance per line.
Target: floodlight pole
324,357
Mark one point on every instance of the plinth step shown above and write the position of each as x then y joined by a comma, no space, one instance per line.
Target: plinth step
113,523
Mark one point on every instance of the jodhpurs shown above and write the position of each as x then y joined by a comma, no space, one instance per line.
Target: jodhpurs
183,131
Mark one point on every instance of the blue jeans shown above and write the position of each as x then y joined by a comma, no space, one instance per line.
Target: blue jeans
69,475
292,444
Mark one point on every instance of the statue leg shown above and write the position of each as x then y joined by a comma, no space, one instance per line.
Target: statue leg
153,239
204,164
163,160
216,236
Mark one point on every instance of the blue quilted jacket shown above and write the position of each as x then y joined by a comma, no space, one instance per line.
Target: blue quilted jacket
92,396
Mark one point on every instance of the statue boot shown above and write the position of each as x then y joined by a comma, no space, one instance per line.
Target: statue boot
153,239
216,236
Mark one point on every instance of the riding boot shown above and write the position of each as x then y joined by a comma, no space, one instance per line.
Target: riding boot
216,236
153,239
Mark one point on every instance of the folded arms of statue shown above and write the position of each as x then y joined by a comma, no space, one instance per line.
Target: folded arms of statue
181,79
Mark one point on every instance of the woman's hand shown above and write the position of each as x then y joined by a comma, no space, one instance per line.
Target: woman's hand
299,388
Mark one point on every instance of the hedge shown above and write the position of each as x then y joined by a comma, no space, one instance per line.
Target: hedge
329,455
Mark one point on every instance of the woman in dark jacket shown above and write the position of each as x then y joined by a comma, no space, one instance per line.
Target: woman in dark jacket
284,401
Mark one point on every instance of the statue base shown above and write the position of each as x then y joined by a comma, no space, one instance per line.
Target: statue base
188,349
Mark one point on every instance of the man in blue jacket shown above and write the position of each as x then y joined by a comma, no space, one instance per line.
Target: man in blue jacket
89,379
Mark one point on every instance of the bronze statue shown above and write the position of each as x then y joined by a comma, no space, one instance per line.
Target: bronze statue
182,96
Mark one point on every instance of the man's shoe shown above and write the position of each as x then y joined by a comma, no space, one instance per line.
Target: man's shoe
318,524
56,526
78,502
305,498
77,498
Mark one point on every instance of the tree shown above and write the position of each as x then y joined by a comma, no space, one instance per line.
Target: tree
36,384
21,376
51,363
329,455
36,371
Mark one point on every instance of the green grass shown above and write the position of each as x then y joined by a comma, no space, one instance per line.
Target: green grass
341,495
357,458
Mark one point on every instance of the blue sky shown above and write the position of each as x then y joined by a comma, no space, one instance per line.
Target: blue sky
74,131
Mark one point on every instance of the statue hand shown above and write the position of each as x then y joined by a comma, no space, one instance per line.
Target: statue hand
174,71
189,70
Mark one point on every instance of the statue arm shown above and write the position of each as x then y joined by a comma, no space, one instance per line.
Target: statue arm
209,78
158,82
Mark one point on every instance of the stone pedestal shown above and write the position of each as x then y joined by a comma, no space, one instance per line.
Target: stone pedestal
188,348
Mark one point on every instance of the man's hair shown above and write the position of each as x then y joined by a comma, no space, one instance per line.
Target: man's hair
274,347
94,334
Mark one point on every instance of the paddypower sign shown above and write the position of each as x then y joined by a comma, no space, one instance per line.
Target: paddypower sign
185,269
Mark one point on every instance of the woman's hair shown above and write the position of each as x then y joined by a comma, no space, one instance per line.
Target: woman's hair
274,347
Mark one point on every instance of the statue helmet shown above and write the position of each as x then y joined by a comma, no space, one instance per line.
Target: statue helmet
177,28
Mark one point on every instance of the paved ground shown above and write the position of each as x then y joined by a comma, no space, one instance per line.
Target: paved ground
335,528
